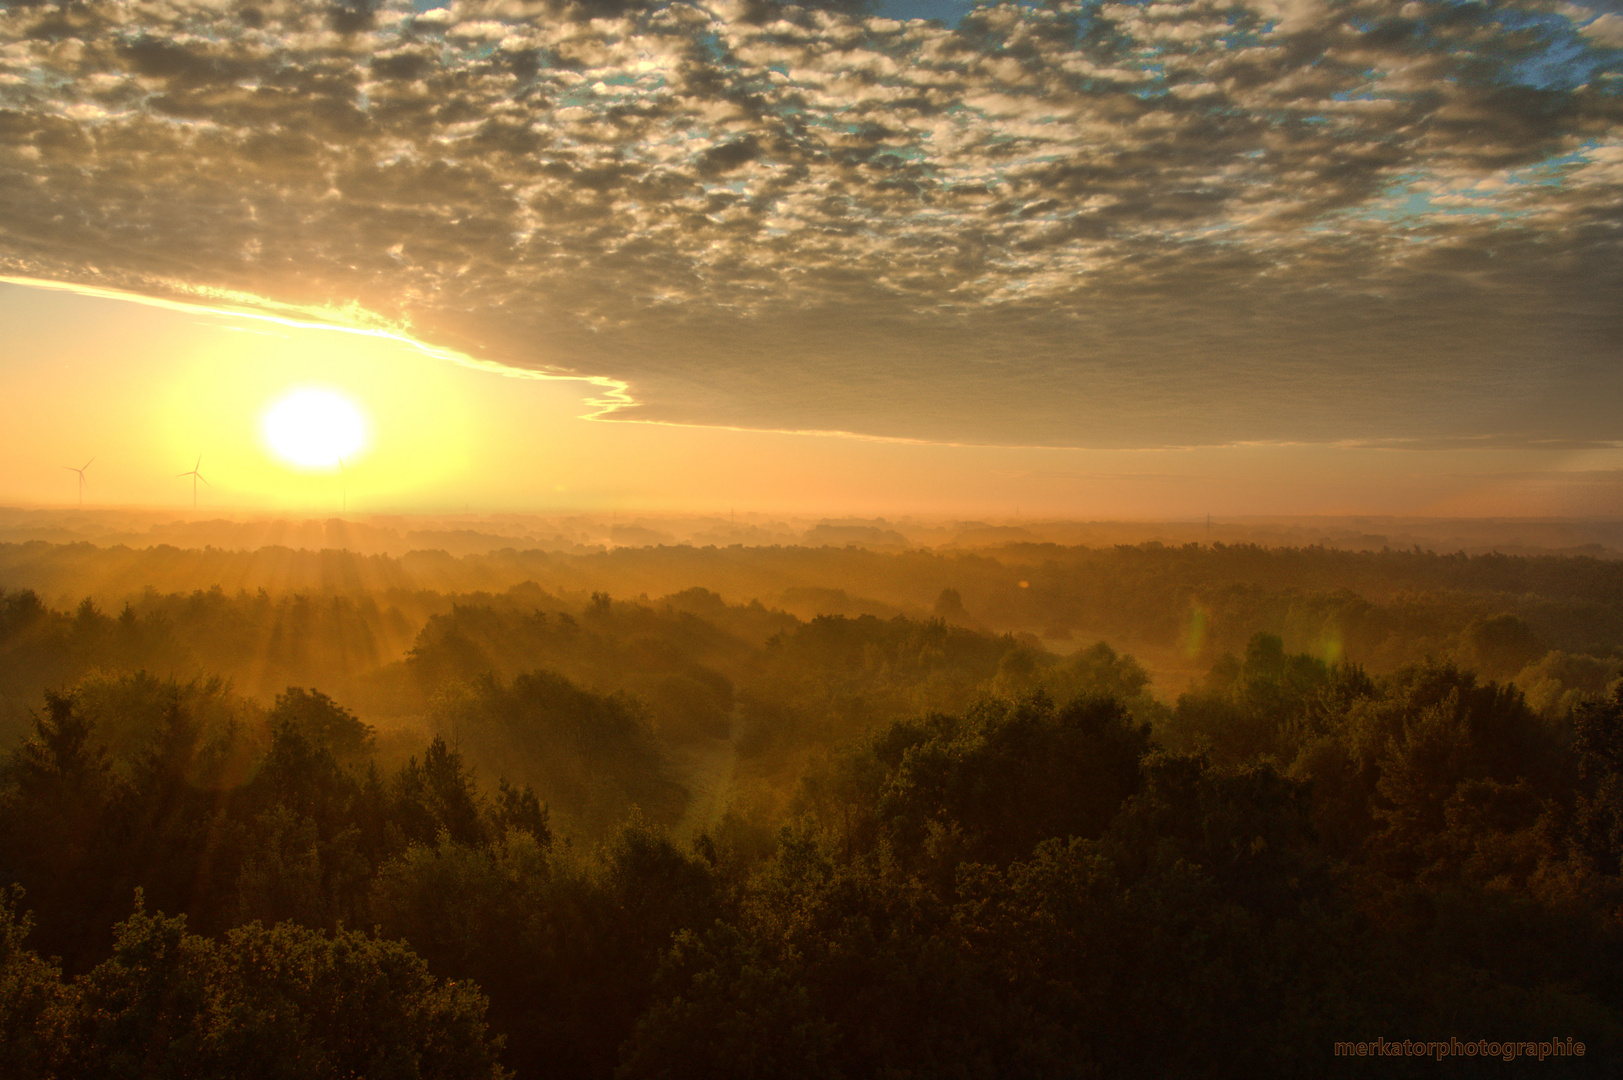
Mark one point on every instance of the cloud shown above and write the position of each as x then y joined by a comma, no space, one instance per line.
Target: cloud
1608,30
1080,224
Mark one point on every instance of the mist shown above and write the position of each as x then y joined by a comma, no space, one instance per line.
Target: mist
590,780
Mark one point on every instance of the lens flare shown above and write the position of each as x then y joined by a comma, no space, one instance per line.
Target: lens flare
314,428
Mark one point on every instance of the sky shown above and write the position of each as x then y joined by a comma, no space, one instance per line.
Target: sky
1103,260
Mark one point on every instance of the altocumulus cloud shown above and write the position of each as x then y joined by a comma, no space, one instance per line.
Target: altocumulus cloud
1070,223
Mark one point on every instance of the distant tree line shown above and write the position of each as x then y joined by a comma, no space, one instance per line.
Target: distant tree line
1385,609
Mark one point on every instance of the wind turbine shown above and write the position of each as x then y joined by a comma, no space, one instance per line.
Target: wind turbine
196,476
343,487
81,471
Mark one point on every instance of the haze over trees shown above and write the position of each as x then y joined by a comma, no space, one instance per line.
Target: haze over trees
941,829
603,780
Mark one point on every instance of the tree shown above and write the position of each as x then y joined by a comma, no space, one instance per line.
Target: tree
1598,814
438,795
31,997
323,722
277,1002
54,815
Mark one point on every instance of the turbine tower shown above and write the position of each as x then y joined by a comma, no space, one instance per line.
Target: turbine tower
196,476
81,471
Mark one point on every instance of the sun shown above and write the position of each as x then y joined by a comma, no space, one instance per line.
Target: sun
314,428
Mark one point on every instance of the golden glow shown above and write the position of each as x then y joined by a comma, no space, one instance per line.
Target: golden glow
144,388
417,432
314,428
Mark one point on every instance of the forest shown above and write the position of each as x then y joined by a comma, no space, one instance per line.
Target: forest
827,812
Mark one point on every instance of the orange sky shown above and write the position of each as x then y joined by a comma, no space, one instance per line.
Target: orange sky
1091,259
144,390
